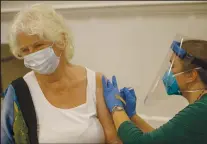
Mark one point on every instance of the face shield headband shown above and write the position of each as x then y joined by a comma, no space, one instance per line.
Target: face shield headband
182,54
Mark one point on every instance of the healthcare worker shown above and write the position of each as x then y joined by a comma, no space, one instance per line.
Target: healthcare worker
185,75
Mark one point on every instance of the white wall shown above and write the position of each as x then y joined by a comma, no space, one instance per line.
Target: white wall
130,42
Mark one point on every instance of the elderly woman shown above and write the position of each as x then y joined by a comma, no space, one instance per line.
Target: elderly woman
68,99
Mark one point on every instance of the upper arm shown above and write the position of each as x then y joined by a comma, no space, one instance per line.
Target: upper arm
7,116
104,115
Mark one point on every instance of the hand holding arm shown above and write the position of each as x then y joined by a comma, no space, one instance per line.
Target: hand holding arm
110,91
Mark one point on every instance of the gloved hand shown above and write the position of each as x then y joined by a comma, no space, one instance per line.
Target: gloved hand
129,97
110,91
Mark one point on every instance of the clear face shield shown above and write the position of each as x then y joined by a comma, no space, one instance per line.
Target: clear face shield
171,79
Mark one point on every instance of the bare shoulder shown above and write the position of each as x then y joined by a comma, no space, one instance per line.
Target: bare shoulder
99,80
99,75
78,67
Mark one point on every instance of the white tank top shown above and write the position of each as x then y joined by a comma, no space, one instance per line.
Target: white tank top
75,125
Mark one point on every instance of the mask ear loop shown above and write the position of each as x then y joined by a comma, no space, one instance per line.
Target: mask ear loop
190,91
186,71
62,51
52,47
60,54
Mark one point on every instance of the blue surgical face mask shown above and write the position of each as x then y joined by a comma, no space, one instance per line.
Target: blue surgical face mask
171,85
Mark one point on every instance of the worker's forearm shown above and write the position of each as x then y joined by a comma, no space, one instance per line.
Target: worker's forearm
141,124
119,117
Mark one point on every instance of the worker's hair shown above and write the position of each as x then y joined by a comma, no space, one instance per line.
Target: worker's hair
42,20
198,48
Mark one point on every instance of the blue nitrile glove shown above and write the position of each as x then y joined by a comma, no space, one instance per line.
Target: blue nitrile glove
110,90
128,94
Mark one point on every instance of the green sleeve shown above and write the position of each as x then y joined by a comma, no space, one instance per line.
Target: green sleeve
189,126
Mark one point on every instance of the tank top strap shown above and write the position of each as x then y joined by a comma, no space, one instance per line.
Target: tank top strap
91,89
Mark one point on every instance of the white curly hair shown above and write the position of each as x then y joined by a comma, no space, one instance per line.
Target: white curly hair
42,20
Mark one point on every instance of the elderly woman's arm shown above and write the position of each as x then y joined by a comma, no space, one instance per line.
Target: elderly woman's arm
7,116
104,115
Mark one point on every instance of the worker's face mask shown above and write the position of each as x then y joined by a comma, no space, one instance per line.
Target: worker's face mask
44,61
171,84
